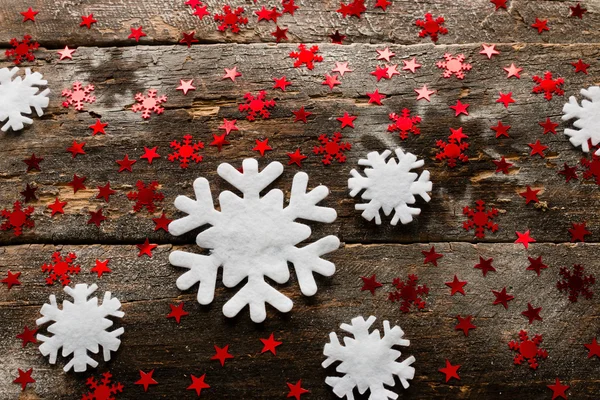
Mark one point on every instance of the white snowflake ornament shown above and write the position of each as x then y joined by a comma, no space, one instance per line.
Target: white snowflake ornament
19,95
390,186
253,237
588,119
368,360
80,327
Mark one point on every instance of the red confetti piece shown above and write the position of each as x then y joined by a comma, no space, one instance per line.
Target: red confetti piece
513,71
591,168
558,389
24,378
578,232
337,37
548,86
78,96
146,380
185,86
354,9
146,248
580,66
331,81
505,99
524,238
536,264
29,193
530,195
281,83
383,4
231,73
219,141
262,146
432,27
289,6
96,217
98,127
76,148
577,11
27,336
162,222
451,371
33,163
537,148
594,348
87,21
548,126
17,219
265,14
257,106
306,56
145,196
104,192
103,389
198,384
332,148
408,293
370,284
347,120
499,4
480,219
186,151
301,115
148,104
500,129
464,324
296,390
532,313
456,286
404,124
101,268
453,149
77,183
57,207
22,50
489,50
61,268
270,344
136,33
222,354
502,297
11,279
570,173
177,312
231,19
485,265
431,256
66,53
125,164
296,158
150,154
376,97
576,283
454,65
528,349
189,38
280,34
540,25
29,15
460,108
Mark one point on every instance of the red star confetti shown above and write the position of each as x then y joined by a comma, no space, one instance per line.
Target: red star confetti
125,164
432,27
76,148
337,37
27,336
354,8
577,11
231,73
499,4
536,264
149,104
177,312
289,6
578,232
548,85
489,50
524,238
451,371
454,66
332,148
456,286
568,172
549,126
540,25
408,293
528,349
29,193
66,53
431,256
150,154
464,324
281,83
385,54
256,106
98,127
306,56
87,21
502,165
146,379
265,14
480,219
383,4
376,97
189,38
77,183
24,378
280,34
262,146
505,99
33,163
594,348
136,33
296,158
145,196
219,141
341,68
101,268
78,96
146,248
29,15
513,71
500,129
411,65
11,279
347,120
104,192
57,207
370,284
296,390
485,265
301,115
580,66
460,108
201,12
576,283
530,195
502,297
558,389
96,217
17,219
532,313
424,93
198,384
222,354
186,86
22,50
162,222
270,344
537,148
331,81
186,151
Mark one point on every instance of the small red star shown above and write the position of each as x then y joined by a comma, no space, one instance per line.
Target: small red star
231,73
540,25
24,378
376,97
88,21
530,195
296,158
451,371
29,193
296,390
577,11
347,120
162,222
489,50
537,148
424,93
460,108
201,12
280,34
380,73
104,192
513,71
76,148
146,248
558,390
185,86
198,384
456,286
536,264
27,336
265,14
548,126
222,354
524,238
382,4
500,129
219,141
189,38
331,81
66,53
77,183
580,66
270,344
341,68
125,164
29,15
594,348
502,165
136,33
337,37
578,232
370,284
33,163
57,207
146,379
411,65
485,265
505,99
96,217
281,83
150,154
464,324
229,125
177,312
569,172
301,115
502,297
532,313
262,146
11,279
98,127
431,256
499,4
101,267
289,7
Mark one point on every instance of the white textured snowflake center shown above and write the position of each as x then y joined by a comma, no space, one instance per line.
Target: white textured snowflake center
79,320
587,117
390,182
371,357
19,96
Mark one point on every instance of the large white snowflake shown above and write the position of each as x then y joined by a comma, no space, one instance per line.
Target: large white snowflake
80,327
18,96
390,186
588,119
368,360
253,237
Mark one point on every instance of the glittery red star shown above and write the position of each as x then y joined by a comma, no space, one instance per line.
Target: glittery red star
331,81
537,148
580,66
29,15
24,378
536,264
460,108
532,313
370,284
485,265
524,238
296,390
347,120
27,336
136,33
57,207
96,217
98,127
505,99
281,83
502,297
87,21
578,232
262,146
270,344
301,115
11,279
76,148
376,97
577,11
431,256
219,141
296,158
198,384
177,312
594,348
548,126
499,4
101,267
456,286
104,192
188,38
77,183
513,71
146,380
146,248
451,371
125,164
280,34
502,165
162,222
530,195
500,129
464,324
222,354
568,172
558,389
540,25
337,37
33,163
150,154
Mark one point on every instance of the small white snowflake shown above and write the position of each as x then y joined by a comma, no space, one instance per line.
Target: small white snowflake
80,327
18,96
368,360
253,237
390,186
588,119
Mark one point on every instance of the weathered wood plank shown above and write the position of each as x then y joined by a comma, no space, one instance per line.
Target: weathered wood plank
146,287
119,73
474,21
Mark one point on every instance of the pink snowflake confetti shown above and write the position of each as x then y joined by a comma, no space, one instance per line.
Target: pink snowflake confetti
149,104
185,151
454,65
78,96
408,293
332,148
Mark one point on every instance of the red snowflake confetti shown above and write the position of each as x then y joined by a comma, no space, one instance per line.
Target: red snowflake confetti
540,25
145,196
528,349
301,115
231,19
306,56
198,384
61,268
456,286
404,124
22,50
451,371
580,66
146,380
11,279
591,168
98,127
146,248
453,65
136,33
17,219
431,27
558,389
101,268
453,150
24,378
575,283
222,354
408,293
103,390
262,146
530,195
257,106
568,172
502,297
29,15
177,312
27,336
370,284
524,238
78,96
354,9
162,222
505,99
270,344
536,264
296,158
186,151
532,313
548,86
485,265
464,324
104,192
149,104
431,256
332,148
480,219
578,232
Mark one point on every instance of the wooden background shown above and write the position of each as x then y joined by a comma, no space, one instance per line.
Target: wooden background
119,68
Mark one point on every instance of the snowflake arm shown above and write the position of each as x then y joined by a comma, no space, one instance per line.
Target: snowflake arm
18,96
202,269
250,182
588,120
200,211
308,259
304,204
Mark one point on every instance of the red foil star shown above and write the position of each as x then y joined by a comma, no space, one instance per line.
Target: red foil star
370,284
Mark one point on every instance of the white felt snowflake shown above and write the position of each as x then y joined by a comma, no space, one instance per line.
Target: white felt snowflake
80,327
253,237
368,360
588,119
390,186
18,96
